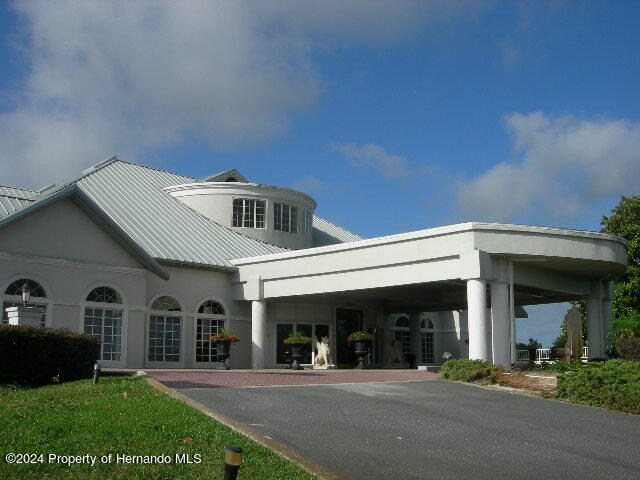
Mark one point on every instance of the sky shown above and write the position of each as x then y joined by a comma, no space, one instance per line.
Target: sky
394,115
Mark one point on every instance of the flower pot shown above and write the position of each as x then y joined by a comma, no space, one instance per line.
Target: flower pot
222,346
297,353
361,348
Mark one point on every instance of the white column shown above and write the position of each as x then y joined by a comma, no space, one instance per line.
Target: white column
29,316
594,325
258,333
514,353
500,336
477,308
609,295
414,336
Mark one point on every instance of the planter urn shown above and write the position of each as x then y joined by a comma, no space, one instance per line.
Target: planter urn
361,348
297,353
222,345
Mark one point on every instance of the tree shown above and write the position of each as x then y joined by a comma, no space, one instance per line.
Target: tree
624,222
532,346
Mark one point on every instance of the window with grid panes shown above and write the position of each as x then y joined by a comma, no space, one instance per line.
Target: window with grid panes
248,213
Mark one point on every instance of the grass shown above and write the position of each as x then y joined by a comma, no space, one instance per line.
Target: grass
121,415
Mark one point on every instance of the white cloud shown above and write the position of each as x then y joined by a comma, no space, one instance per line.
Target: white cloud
129,78
373,156
309,184
562,167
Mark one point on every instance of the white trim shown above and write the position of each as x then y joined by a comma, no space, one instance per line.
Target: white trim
212,315
62,262
431,232
153,298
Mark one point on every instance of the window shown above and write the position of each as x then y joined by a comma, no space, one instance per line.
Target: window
105,324
104,295
164,338
402,322
211,307
248,213
16,288
13,298
208,324
285,218
165,303
307,223
426,323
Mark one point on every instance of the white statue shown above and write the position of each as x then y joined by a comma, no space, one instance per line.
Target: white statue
395,352
323,356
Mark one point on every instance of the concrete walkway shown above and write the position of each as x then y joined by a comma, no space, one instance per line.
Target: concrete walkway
431,429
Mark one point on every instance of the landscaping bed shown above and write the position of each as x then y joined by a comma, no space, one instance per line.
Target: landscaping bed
126,416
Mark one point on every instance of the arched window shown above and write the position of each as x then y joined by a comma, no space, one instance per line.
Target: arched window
105,322
104,295
208,322
165,331
13,298
211,307
166,303
402,322
16,288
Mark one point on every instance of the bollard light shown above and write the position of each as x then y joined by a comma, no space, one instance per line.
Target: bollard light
96,372
232,462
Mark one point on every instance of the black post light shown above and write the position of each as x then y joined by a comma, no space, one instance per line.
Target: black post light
232,462
26,293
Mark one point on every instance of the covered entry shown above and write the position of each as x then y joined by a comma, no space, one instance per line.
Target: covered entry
477,273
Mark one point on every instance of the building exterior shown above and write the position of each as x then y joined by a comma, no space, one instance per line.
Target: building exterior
153,263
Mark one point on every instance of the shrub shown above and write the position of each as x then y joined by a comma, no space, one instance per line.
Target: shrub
466,370
34,355
559,366
614,385
627,345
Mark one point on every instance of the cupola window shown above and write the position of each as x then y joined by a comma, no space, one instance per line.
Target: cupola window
285,218
248,213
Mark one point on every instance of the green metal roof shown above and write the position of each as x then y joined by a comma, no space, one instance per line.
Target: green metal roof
167,230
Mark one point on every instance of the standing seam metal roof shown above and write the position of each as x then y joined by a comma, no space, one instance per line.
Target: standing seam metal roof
165,228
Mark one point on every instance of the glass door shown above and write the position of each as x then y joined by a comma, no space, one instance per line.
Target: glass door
347,321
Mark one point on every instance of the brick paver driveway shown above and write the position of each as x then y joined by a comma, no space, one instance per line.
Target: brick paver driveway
255,378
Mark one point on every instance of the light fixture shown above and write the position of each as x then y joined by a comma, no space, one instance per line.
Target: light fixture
232,462
26,293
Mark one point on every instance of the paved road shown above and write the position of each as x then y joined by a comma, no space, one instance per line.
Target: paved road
434,429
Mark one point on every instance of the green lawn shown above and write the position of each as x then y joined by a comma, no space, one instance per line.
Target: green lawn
121,415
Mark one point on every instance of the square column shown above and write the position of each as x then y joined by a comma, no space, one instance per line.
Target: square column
29,316
258,333
500,324
477,313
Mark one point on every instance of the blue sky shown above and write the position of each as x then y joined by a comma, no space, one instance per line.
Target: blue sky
425,113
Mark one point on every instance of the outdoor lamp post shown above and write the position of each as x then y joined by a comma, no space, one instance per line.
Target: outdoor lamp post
232,462
26,293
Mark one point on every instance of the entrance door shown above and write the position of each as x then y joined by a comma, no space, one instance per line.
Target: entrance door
348,321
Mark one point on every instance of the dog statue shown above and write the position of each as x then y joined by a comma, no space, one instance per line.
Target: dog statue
323,357
395,352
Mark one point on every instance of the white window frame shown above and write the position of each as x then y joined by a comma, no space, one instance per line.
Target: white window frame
243,207
291,224
307,223
224,318
124,307
180,363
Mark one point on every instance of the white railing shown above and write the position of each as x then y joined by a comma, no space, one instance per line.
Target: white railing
522,355
543,354
585,353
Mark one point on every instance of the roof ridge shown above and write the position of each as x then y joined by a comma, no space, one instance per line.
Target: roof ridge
155,169
85,173
19,188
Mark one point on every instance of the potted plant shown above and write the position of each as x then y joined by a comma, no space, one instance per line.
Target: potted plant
223,340
361,342
298,342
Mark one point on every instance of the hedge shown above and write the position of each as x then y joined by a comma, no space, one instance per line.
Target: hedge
614,385
466,370
35,355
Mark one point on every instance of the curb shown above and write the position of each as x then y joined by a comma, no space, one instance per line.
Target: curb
260,439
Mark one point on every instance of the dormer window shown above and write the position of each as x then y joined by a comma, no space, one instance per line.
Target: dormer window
248,213
285,218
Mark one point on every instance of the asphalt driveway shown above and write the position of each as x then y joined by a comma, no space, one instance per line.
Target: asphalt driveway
435,429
